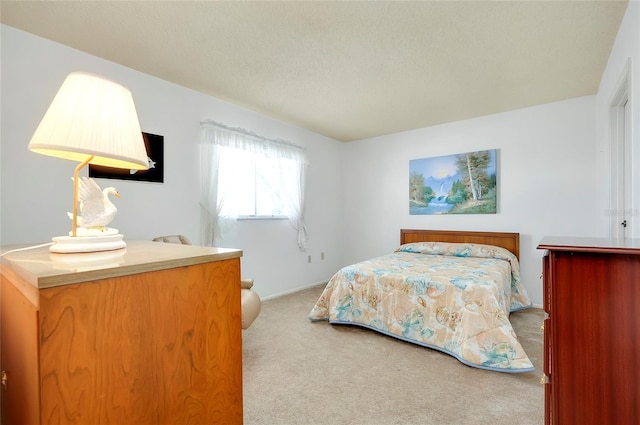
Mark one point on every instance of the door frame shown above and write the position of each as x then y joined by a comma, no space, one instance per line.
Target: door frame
621,156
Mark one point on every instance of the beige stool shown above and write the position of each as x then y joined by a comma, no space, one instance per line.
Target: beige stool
249,299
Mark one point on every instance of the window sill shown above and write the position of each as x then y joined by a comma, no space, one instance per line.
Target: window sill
262,217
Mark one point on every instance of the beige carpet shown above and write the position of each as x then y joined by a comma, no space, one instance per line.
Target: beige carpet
298,372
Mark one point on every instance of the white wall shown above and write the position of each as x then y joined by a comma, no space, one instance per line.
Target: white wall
624,57
36,190
546,180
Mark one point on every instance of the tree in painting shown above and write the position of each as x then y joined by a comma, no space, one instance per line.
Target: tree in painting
416,185
473,167
418,192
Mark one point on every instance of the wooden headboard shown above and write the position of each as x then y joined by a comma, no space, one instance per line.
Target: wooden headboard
510,241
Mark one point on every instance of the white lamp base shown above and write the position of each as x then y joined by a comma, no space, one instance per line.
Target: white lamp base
88,240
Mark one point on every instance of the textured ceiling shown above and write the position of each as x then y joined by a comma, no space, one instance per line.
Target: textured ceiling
348,70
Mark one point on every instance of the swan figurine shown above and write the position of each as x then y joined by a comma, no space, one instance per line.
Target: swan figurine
96,209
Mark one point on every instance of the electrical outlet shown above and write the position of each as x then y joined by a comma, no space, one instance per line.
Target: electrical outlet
309,259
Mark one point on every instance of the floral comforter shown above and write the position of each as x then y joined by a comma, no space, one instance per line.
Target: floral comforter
452,297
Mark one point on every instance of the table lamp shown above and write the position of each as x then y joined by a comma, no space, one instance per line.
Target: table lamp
91,120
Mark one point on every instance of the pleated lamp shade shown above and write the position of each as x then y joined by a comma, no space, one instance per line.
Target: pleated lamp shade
92,116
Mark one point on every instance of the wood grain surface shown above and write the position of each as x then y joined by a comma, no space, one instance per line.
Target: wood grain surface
507,240
161,347
19,358
595,339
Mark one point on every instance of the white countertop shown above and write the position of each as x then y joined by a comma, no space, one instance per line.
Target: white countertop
43,269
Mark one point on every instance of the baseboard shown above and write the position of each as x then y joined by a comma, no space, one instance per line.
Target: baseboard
291,291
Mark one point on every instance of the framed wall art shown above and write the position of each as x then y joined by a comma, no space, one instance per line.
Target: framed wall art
454,184
155,155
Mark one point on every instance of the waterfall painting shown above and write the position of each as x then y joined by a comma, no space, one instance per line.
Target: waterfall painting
454,184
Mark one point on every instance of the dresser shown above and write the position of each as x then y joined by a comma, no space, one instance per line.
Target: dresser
591,331
148,334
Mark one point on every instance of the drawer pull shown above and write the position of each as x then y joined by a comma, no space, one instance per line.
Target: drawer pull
544,379
4,380
542,327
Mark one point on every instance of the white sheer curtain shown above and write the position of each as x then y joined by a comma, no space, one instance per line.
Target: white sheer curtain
220,147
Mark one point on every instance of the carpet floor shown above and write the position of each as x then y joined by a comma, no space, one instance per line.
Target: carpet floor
298,372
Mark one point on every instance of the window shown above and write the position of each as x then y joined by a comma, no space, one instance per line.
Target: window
255,185
244,175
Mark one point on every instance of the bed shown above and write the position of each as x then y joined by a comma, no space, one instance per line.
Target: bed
451,291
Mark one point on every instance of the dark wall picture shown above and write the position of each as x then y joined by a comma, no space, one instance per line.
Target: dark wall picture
155,173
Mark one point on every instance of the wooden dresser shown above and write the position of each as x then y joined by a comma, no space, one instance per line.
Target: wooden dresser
148,334
592,331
